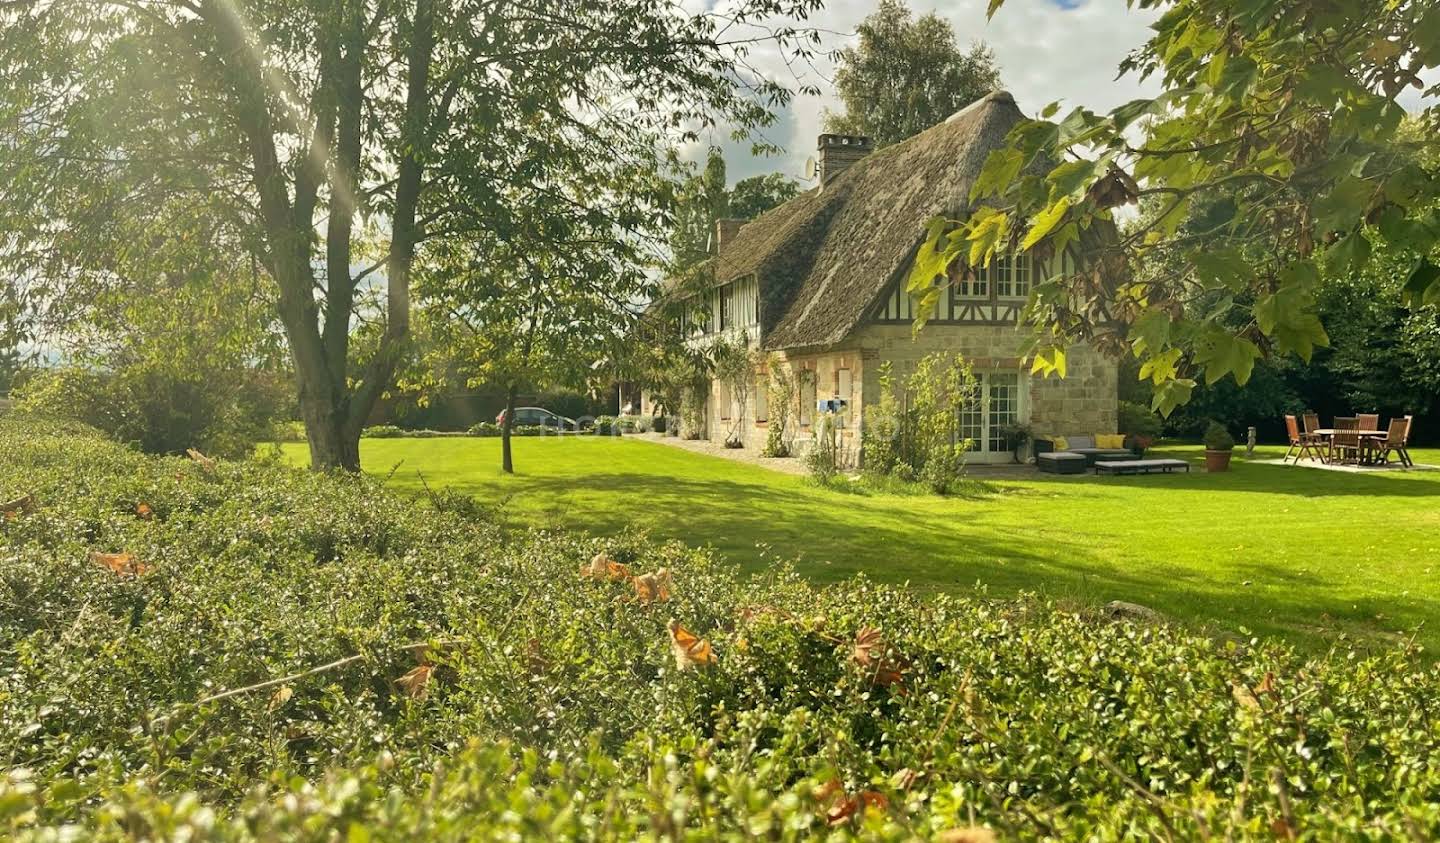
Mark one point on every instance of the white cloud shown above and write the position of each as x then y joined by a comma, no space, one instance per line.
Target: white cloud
1046,52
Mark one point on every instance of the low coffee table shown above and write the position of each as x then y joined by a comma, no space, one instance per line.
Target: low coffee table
1140,466
1060,462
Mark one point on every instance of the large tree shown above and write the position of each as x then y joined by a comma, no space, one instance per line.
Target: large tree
334,138
704,197
1290,111
906,74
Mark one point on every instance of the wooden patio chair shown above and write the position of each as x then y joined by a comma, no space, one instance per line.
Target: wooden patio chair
1312,424
1396,442
1345,444
1300,444
1368,421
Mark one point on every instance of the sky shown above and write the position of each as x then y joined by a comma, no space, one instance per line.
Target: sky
1067,50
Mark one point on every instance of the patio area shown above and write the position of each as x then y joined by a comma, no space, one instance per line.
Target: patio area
1357,443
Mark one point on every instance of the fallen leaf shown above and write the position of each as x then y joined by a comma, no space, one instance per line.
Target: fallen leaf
689,649
869,643
24,505
1282,829
1267,685
602,567
204,461
653,587
122,564
844,806
144,511
281,696
416,683
535,656
1243,695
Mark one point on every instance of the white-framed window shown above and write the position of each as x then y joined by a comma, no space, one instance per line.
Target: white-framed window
996,403
974,284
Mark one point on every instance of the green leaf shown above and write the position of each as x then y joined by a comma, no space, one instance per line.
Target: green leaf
1001,168
933,258
1348,254
993,8
1223,268
1072,177
1422,287
1044,222
1150,332
1170,395
1049,361
1221,354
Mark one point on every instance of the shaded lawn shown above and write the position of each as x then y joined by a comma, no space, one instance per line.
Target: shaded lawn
1303,553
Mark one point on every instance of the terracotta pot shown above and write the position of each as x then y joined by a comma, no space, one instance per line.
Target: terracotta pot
1217,460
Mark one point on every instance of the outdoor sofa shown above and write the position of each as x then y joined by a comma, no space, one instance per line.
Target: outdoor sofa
1085,447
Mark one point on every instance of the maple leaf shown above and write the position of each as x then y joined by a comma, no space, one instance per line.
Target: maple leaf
144,511
869,643
204,461
24,505
1267,685
653,587
122,564
416,683
690,650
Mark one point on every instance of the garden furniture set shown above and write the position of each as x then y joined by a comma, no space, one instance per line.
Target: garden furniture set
1353,440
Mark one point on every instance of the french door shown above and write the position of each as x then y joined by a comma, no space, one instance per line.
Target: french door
999,401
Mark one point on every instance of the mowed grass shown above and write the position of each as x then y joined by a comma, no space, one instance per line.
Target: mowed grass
1307,554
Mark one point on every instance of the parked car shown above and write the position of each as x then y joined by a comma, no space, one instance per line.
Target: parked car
538,416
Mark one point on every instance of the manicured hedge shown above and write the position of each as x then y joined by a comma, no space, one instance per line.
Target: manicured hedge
554,706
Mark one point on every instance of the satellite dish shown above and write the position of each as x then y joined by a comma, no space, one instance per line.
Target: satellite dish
812,168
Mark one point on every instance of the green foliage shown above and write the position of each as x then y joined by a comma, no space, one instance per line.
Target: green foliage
1139,421
1052,723
382,431
330,143
880,439
781,391
940,386
484,428
706,197
906,75
1282,129
1217,438
160,409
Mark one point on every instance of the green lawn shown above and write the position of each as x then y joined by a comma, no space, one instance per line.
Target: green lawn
1303,553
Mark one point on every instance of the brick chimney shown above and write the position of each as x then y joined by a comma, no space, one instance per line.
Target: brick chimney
838,152
725,231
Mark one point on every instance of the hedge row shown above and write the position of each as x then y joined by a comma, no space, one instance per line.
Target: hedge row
439,677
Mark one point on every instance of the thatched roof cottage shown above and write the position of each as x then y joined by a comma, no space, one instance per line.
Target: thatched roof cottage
819,281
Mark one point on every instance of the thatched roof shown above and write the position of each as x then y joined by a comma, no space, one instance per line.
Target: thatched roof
825,257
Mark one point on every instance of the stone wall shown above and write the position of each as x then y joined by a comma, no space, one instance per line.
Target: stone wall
1083,402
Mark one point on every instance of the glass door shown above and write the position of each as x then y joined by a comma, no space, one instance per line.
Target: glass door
998,402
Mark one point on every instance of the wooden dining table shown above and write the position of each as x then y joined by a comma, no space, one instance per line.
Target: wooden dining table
1328,433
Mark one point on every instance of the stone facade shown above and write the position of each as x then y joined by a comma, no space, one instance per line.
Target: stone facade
1083,402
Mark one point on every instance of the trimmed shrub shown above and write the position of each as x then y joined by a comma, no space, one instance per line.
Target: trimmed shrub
289,655
484,428
384,431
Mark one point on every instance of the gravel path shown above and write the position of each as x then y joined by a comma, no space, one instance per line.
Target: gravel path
784,465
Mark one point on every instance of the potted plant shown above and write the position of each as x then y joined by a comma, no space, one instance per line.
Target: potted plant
1218,445
1015,437
1140,425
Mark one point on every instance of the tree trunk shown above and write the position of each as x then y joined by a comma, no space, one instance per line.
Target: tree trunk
507,462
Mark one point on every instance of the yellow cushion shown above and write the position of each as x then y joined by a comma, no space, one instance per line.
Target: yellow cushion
1109,440
1059,443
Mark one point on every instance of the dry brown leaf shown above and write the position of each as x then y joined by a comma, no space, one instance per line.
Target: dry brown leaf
653,587
1267,685
204,461
602,567
973,834
1243,696
844,806
416,683
144,511
690,650
122,564
1282,829
869,644
24,505
281,696
535,656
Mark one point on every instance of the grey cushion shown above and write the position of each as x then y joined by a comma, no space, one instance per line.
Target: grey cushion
1075,443
1059,456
